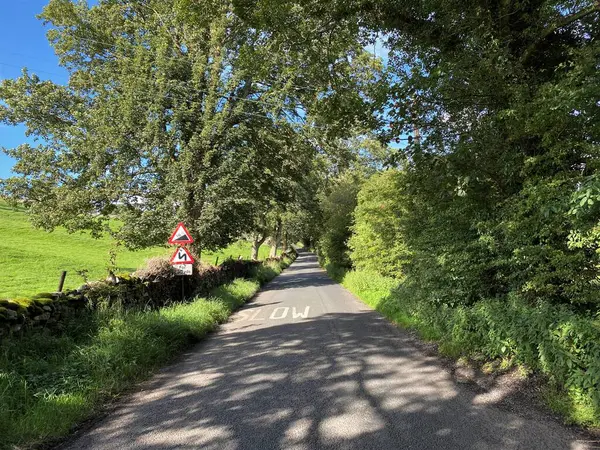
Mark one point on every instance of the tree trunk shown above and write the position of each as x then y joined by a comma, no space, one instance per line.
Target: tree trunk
284,244
275,240
256,243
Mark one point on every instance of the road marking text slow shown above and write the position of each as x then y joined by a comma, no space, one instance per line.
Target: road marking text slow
278,313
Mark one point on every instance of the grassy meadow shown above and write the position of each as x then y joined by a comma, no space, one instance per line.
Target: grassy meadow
31,260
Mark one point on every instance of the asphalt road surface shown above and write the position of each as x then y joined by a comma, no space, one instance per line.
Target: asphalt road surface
308,366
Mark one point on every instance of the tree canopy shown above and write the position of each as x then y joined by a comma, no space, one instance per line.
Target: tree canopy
239,116
500,189
174,110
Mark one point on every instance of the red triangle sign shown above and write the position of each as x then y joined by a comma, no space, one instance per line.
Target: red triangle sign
182,256
181,235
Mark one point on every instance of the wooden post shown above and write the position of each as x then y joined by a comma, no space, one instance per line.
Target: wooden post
217,261
61,283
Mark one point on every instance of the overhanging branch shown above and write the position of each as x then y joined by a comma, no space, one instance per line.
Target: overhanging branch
563,22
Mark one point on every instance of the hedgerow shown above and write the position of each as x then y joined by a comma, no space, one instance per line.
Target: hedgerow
152,287
517,279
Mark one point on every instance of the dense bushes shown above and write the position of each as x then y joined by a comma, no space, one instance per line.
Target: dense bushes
337,208
551,339
457,246
500,192
376,242
511,276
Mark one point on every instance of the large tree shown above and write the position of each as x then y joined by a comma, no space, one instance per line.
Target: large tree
505,97
502,184
174,110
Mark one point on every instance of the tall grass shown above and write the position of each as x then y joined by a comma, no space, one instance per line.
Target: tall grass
49,382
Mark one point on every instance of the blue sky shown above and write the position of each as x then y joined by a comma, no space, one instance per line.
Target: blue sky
23,43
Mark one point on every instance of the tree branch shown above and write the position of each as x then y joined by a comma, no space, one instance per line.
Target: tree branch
563,22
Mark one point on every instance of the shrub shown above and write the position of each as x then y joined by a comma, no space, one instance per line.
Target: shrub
337,208
155,268
377,243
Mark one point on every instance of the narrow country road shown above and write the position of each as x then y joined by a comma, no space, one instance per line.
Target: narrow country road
307,366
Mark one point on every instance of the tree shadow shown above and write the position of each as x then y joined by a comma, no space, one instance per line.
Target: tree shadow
340,380
304,272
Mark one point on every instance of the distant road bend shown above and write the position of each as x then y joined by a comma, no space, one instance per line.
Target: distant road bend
307,366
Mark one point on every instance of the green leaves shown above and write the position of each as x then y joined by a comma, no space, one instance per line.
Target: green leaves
174,111
377,242
337,207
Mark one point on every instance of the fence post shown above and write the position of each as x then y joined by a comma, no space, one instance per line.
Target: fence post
61,283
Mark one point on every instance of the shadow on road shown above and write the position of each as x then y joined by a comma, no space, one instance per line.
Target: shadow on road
339,380
305,272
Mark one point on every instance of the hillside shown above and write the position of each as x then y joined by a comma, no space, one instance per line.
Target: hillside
31,260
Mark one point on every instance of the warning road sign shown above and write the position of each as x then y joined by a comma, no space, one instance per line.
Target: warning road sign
181,235
182,256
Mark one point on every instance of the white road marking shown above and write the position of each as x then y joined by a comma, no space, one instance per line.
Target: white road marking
258,310
302,315
274,313
277,314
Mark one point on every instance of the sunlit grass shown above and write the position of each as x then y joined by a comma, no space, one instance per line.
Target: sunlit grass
49,382
31,260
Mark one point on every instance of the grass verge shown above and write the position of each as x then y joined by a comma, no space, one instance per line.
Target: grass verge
50,382
554,341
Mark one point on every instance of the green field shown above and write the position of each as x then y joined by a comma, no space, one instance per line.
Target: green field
31,260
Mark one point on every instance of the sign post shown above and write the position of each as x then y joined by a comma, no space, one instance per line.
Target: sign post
182,260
